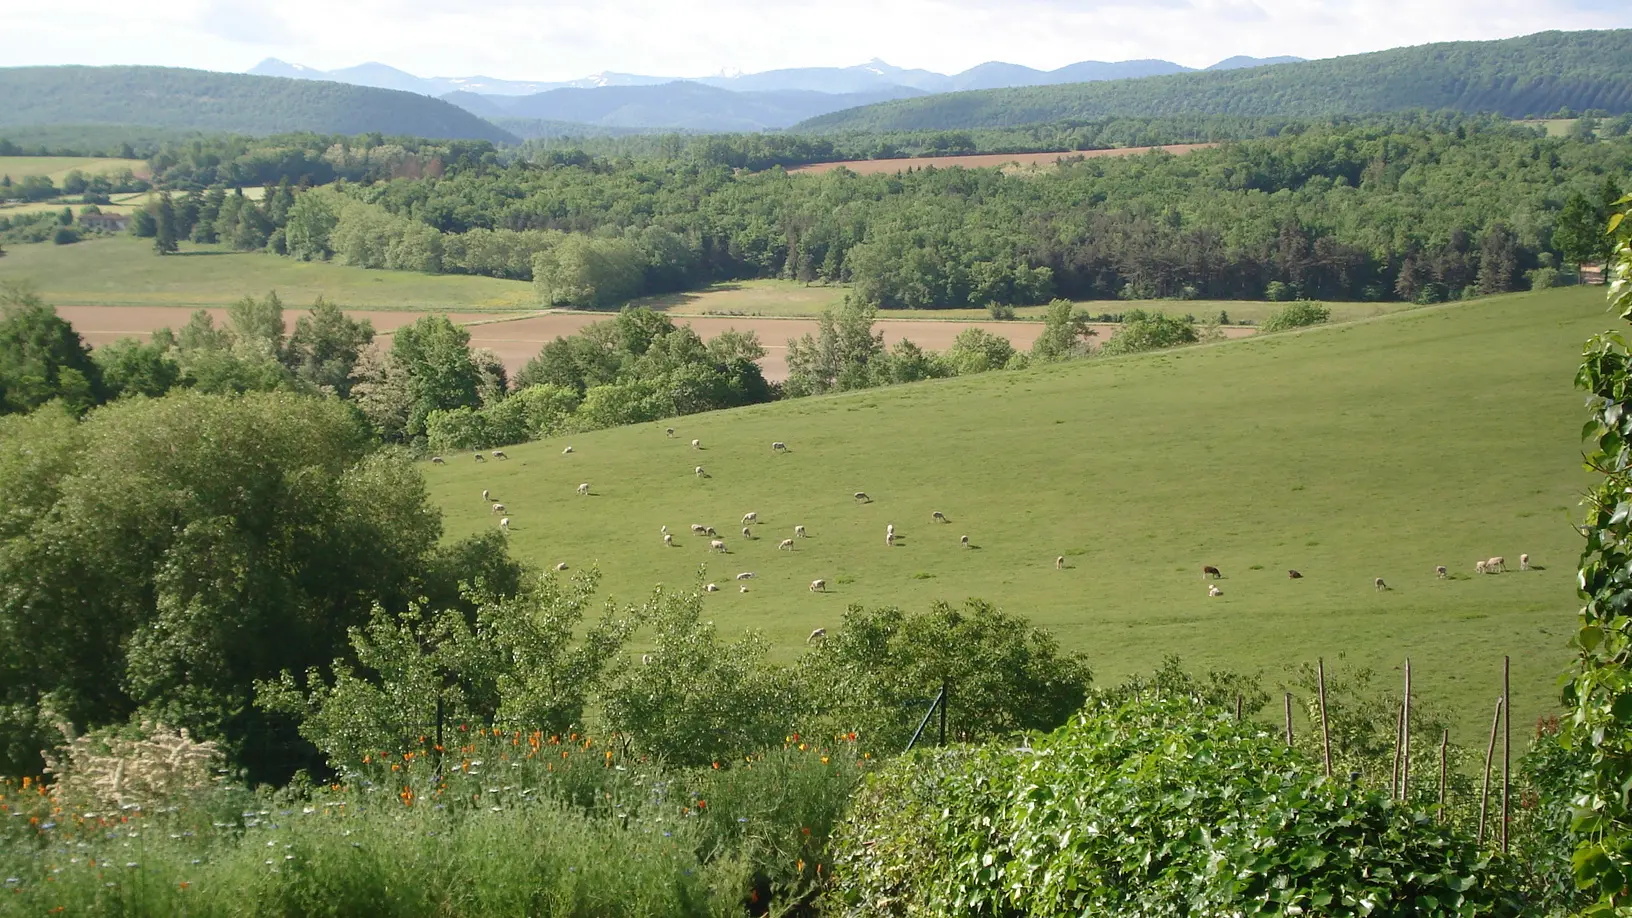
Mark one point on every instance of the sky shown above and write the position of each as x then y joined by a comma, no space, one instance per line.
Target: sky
549,41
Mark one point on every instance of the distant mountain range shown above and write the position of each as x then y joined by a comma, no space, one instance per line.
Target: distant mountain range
873,76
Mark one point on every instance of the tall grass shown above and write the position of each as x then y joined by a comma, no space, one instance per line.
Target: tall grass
505,824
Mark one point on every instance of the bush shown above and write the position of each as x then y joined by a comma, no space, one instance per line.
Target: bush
1161,807
1542,278
1149,331
1277,292
65,235
1300,314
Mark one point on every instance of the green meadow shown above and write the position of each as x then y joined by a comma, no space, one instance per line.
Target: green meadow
56,168
1379,448
124,271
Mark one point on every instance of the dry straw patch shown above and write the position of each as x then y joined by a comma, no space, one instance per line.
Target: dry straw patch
104,769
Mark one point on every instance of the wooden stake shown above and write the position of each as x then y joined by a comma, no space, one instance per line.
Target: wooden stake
1444,755
1325,729
1405,736
1394,776
1238,709
1289,718
1490,750
1507,743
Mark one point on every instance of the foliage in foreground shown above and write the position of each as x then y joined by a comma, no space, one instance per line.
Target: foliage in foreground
1158,807
501,824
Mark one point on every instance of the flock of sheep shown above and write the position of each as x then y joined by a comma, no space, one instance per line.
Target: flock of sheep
1494,565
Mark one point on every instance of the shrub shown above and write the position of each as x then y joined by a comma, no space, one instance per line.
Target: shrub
1544,277
1300,314
1277,292
1149,331
65,235
1162,807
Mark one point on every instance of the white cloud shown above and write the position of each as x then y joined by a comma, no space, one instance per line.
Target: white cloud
516,39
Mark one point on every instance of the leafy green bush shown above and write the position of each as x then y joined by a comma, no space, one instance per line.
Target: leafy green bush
1149,331
1162,807
1300,314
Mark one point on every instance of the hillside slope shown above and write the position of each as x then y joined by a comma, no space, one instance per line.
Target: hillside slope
1514,77
169,97
682,104
1378,449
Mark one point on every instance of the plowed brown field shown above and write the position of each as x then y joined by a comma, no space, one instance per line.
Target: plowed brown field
986,160
517,340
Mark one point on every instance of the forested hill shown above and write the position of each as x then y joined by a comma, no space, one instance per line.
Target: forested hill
169,97
1532,75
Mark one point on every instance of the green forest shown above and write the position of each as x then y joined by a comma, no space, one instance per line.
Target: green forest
173,98
1518,77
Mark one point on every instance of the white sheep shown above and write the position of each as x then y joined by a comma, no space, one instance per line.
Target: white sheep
818,586
889,529
669,431
820,634
696,444
717,545
747,533
485,495
645,659
1495,564
567,451
562,566
665,529
779,447
750,518
584,489
785,543
697,528
1479,567
742,589
701,473
1059,563
938,517
709,531
862,498
1379,584
499,454
668,540
1213,590
746,575
504,524
497,508
1524,562
889,539
964,541
438,460
799,532
711,588
1441,572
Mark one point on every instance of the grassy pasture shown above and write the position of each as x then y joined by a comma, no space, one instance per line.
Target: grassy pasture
56,168
123,271
1379,448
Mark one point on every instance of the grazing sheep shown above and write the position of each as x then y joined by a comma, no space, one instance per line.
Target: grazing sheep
1294,575
1213,590
938,517
504,524
717,545
1379,584
750,518
669,431
480,458
889,529
499,454
665,529
742,589
1479,567
779,447
1495,564
1059,563
818,586
711,588
498,508
964,541
438,460
785,543
709,531
701,473
746,533
1441,572
584,489
889,539
485,495
862,498
1208,570
1524,562
696,444
746,575
562,566
820,634
668,540
799,532
698,528
567,451
645,659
